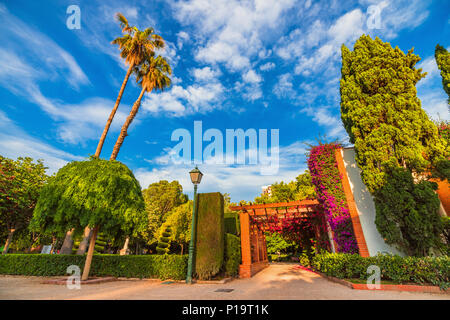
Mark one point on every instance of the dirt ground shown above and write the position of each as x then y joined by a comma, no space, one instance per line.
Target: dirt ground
277,282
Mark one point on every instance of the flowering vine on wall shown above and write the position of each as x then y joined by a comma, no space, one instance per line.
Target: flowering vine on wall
330,193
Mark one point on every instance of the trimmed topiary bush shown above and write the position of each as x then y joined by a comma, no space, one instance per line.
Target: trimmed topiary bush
232,254
163,246
129,266
210,235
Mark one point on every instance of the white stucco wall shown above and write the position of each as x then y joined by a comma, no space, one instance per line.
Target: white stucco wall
365,206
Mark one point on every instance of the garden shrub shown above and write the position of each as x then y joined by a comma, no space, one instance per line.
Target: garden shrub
210,235
232,224
421,270
407,213
232,258
129,266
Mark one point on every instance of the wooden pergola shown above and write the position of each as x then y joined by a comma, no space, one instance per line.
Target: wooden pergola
253,241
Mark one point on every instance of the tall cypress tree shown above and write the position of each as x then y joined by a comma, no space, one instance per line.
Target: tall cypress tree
381,112
393,139
442,57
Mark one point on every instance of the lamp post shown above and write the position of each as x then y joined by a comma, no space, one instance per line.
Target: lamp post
196,177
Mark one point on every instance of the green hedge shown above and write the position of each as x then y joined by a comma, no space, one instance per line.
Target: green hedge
209,248
424,270
232,224
232,258
129,266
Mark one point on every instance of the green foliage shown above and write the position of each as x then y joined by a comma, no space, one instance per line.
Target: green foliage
381,112
300,189
210,235
442,57
446,233
304,259
100,243
407,213
21,182
163,246
91,193
276,244
232,258
426,270
232,224
160,199
179,219
140,266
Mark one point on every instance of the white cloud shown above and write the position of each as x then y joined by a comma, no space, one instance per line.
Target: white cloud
43,55
222,178
76,122
429,66
350,26
324,117
234,31
182,37
14,142
284,86
430,91
251,77
179,101
267,66
205,74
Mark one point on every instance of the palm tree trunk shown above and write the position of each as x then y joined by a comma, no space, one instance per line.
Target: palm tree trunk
85,242
113,112
123,131
68,243
8,241
87,265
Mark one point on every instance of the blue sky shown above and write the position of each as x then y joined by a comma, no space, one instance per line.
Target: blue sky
269,64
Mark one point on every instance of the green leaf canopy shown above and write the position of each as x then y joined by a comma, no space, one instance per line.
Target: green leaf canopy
90,193
381,112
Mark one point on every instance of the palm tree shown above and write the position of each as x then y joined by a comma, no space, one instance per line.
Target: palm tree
153,74
135,45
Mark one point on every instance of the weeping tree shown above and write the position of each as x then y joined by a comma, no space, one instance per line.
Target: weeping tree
99,194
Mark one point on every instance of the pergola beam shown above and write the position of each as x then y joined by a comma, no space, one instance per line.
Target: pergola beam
301,203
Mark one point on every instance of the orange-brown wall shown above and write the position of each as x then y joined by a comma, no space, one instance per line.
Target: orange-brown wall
444,194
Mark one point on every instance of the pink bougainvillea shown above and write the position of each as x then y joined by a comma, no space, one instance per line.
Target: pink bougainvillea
330,192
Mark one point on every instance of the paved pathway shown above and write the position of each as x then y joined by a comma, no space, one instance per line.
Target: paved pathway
279,281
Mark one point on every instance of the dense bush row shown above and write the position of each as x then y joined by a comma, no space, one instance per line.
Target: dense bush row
232,258
232,224
426,270
140,266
